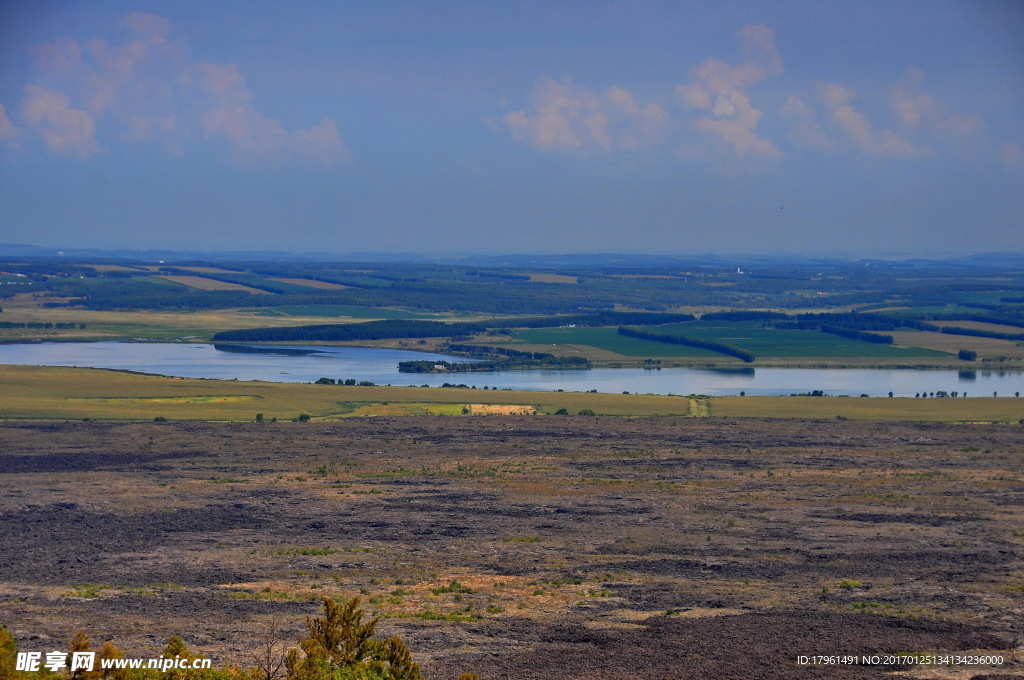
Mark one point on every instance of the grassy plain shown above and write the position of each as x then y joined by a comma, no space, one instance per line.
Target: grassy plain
76,393
33,392
949,410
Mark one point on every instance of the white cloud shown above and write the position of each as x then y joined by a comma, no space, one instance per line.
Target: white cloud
718,88
856,127
230,115
808,130
921,113
7,129
568,117
67,131
149,86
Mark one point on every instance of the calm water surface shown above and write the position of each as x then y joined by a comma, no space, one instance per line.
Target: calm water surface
304,363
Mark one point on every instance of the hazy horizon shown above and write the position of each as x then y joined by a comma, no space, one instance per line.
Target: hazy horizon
750,128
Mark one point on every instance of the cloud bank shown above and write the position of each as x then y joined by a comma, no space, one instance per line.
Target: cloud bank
147,88
569,117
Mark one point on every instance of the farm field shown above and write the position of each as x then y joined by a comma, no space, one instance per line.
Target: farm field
171,325
340,311
987,348
767,344
203,283
776,342
610,340
526,547
309,283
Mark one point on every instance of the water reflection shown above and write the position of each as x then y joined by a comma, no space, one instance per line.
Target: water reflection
253,349
304,363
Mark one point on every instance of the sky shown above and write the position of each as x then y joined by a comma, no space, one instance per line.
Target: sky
671,127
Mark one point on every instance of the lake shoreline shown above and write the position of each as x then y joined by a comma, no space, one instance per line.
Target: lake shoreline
299,363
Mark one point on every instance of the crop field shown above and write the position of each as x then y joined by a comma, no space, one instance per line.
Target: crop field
775,342
987,348
165,325
309,283
209,270
553,278
981,326
203,283
526,546
341,311
610,340
765,343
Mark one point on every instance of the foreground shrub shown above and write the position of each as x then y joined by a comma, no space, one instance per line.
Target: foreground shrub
341,646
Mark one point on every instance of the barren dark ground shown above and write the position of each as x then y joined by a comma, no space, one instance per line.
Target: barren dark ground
581,547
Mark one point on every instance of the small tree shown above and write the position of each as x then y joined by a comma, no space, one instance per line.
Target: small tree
110,651
341,645
269,656
8,653
80,643
967,355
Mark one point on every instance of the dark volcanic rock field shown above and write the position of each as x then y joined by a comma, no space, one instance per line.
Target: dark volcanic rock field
579,547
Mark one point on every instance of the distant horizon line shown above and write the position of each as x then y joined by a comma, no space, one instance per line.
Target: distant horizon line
31,250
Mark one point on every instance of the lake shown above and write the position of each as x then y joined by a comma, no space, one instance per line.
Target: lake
305,363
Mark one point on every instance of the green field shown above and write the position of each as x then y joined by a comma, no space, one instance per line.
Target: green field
775,342
751,336
609,339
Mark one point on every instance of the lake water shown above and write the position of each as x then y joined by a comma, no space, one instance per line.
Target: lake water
304,363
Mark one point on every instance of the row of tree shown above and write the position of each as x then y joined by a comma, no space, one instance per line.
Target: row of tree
41,325
712,345
854,334
402,328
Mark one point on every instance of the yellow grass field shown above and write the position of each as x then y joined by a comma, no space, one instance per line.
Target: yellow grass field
980,326
309,283
209,270
986,348
203,283
151,324
113,268
74,393
553,278
972,410
35,392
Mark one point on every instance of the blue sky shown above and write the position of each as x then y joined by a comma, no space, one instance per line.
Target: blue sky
667,127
